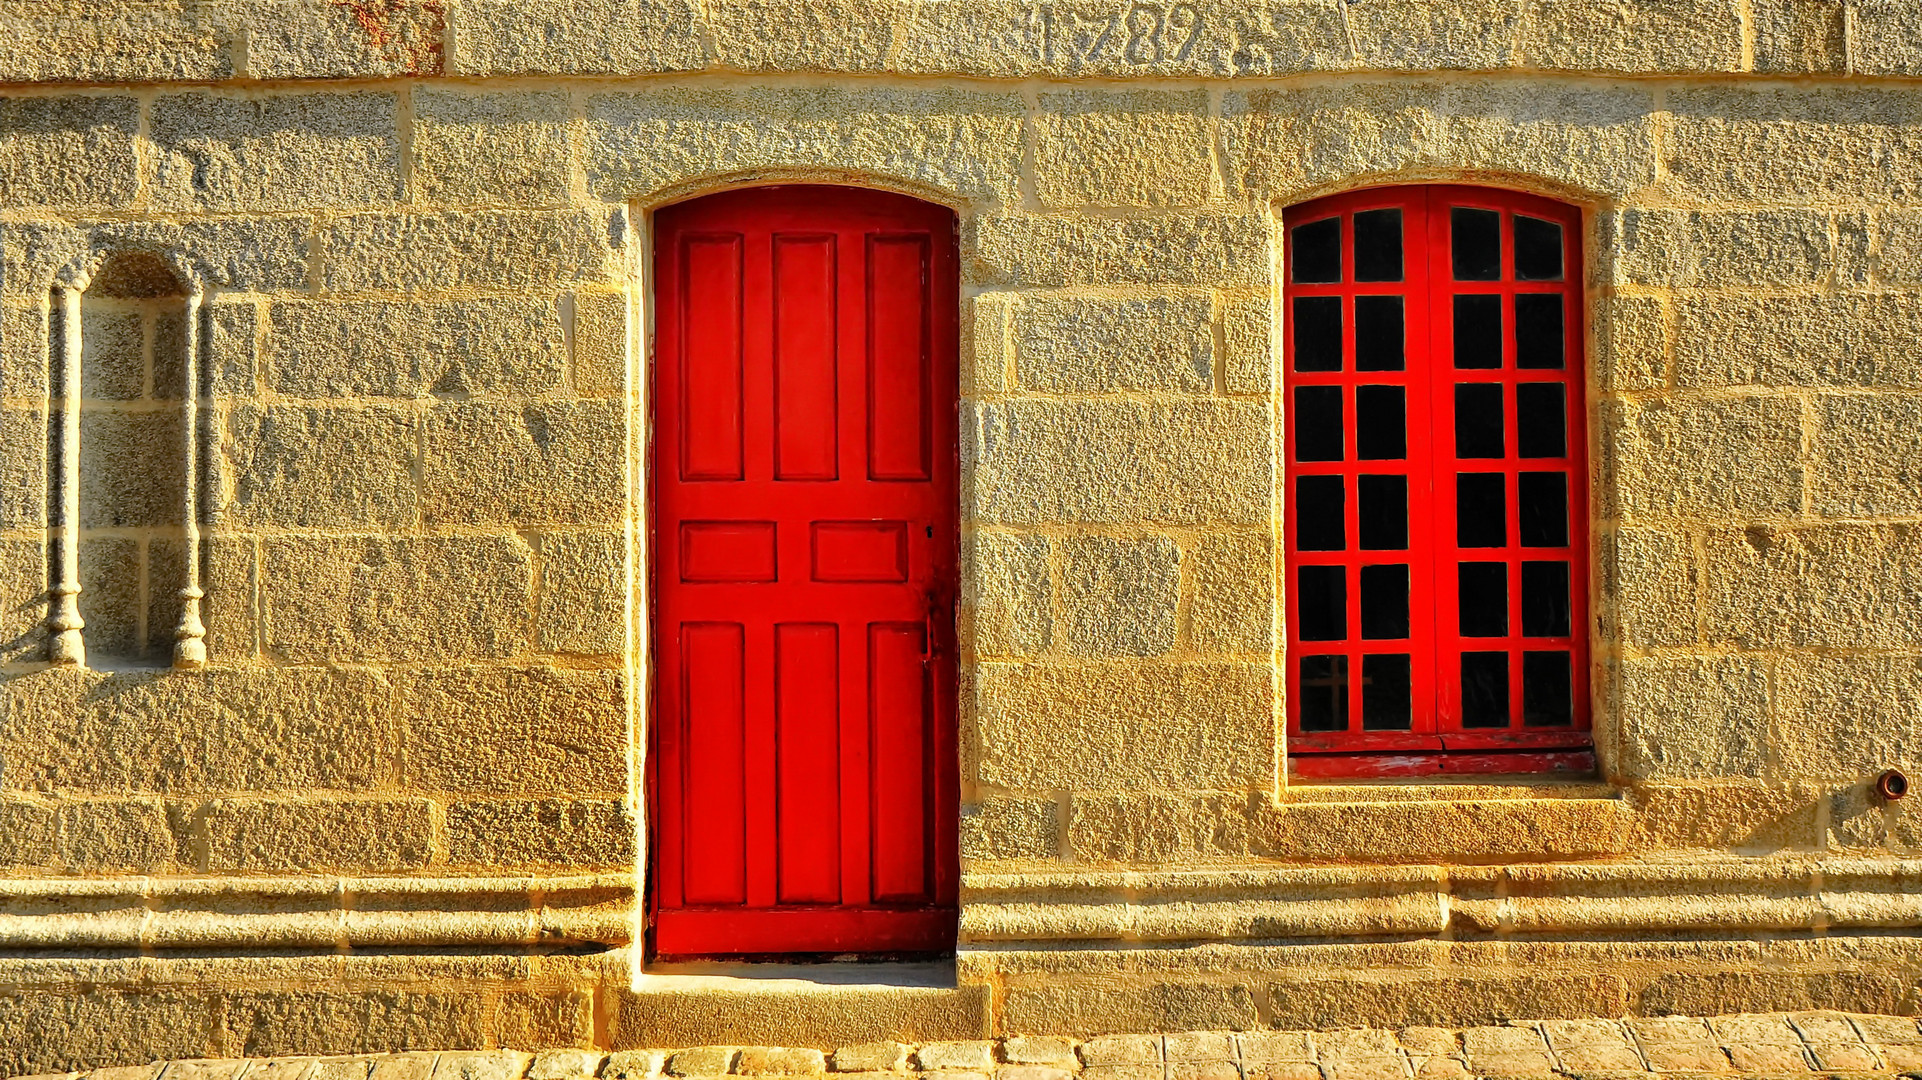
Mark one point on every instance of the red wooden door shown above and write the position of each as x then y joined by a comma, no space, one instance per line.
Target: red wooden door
803,770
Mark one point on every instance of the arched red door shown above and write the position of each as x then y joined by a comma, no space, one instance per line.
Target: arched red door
803,771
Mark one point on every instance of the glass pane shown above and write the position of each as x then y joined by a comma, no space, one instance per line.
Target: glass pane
1478,332
1318,423
1484,689
1478,421
1317,252
1484,599
1386,695
1324,693
1320,504
1381,423
1547,693
1538,249
1378,333
1544,599
1541,420
1384,603
1476,243
1317,321
1538,331
1384,513
1481,510
1378,245
1322,596
1543,512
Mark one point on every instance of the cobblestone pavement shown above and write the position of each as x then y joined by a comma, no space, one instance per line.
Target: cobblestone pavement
1772,1045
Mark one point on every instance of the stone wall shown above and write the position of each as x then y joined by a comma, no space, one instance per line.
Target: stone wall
417,233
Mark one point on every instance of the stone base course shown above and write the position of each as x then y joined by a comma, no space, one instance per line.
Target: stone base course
1829,1044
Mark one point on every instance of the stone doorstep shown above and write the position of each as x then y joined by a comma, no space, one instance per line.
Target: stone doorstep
1777,1046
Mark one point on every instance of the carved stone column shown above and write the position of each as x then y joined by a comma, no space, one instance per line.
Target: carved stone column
65,645
190,645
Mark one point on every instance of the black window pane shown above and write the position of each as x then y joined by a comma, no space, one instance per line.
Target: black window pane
1476,239
1317,252
1541,420
1484,599
1547,691
1478,421
1544,599
1384,513
1543,512
1386,694
1538,331
1478,332
1317,323
1324,693
1538,249
1379,333
1384,603
1319,514
1321,593
1481,510
1484,689
1378,245
1318,423
1381,423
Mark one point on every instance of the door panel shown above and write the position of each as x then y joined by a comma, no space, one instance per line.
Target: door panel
802,773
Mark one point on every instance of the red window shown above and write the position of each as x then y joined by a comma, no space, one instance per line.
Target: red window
1437,507
803,775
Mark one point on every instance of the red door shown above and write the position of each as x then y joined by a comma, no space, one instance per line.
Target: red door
803,768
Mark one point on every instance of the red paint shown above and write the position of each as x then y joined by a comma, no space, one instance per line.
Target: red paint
1440,737
803,775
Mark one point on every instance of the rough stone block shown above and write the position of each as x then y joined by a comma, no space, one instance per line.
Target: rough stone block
1311,1001
523,463
1868,456
101,1027
23,469
295,466
703,1061
317,39
550,1020
831,36
1119,595
1278,143
1113,1050
1846,717
68,152
344,599
1801,37
113,356
974,1056
1005,827
1631,343
258,836
1231,608
963,141
633,1065
277,1022
1453,831
600,343
218,151
1249,360
33,836
1123,148
130,469
1120,462
1007,593
1887,38
114,837
1430,35
1709,993
1087,1009
1632,36
382,348
1652,575
887,1056
23,600
571,37
1171,249
79,41
574,835
1118,727
562,731
1797,341
987,343
1152,828
1095,345
1721,458
509,248
25,352
491,148
1693,248
1694,717
110,600
583,594
1780,145
780,1061
1835,587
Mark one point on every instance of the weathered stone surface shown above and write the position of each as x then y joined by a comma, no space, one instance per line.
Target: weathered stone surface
78,41
1698,458
1090,345
491,148
525,463
25,351
1129,148
1861,140
1839,586
1095,1010
550,834
1119,462
552,1020
703,1061
1797,37
23,475
563,731
308,39
1232,606
1688,717
33,834
509,248
583,593
1887,38
1249,360
1005,827
600,343
58,1031
1631,36
350,1021
1763,991
337,599
1173,249
256,836
130,474
1319,1002
482,345
976,1056
296,466
780,1061
1121,726
1846,717
1151,828
1007,592
768,35
23,599
571,37
1631,349
1652,575
1797,341
1118,595
1458,831
1867,456
68,152
99,836
217,151
1677,248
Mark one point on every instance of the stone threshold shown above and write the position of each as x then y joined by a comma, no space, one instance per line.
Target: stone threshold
1803,1044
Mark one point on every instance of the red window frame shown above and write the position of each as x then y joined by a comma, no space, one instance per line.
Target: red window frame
1436,739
